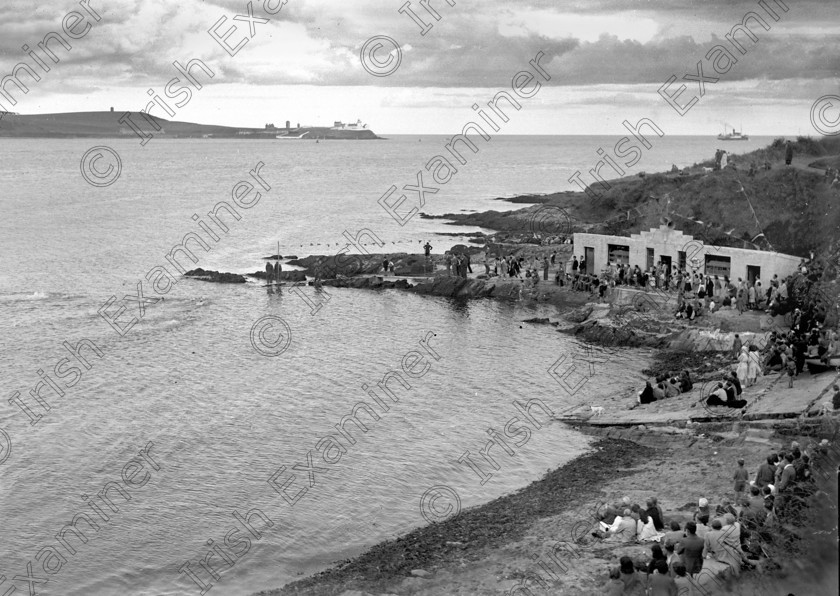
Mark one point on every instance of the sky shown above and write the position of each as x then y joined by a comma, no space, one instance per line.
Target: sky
603,62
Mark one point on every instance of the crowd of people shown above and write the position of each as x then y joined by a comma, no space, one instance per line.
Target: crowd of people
740,529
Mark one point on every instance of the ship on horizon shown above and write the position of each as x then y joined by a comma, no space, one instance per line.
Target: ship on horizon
733,136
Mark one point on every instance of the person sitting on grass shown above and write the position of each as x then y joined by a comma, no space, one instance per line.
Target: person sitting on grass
685,587
661,583
703,512
675,536
655,513
646,395
633,584
614,587
671,388
685,381
623,529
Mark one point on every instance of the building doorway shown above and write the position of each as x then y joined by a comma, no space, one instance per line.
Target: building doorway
666,262
753,274
589,255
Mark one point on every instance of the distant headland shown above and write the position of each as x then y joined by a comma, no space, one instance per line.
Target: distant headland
116,124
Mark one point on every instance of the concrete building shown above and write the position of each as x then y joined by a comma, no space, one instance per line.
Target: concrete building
681,251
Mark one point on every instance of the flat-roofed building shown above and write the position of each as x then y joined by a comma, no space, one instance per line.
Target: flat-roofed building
672,247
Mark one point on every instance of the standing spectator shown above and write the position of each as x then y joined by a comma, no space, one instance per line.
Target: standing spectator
448,263
835,401
575,266
545,267
428,249
740,478
766,472
736,346
692,549
791,371
788,153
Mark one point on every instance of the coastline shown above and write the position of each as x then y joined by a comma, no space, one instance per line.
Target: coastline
496,547
536,540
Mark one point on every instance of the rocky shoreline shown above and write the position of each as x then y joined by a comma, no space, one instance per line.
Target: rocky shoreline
492,549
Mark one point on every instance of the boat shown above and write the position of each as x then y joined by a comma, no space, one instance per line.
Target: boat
733,136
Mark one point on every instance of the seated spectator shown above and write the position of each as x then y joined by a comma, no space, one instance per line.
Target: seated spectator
671,388
725,507
733,378
646,395
715,547
672,558
685,381
659,392
661,583
717,397
685,587
656,555
675,536
703,513
608,516
654,513
614,587
632,583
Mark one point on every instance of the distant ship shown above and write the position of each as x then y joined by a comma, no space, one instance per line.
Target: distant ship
733,136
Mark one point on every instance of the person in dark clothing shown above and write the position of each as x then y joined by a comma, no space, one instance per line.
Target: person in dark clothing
685,381
575,265
656,555
788,153
692,549
733,378
766,472
428,249
653,512
646,395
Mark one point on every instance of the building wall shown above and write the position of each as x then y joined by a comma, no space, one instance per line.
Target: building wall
669,242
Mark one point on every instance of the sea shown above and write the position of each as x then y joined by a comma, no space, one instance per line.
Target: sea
227,390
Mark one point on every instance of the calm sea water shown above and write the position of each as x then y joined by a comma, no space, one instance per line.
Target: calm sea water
223,418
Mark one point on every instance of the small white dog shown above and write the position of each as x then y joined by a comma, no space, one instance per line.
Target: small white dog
708,170
597,410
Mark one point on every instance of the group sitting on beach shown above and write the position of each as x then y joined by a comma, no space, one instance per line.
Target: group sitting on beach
734,533
666,386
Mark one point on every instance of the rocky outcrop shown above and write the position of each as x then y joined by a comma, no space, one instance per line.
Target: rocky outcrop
366,283
330,267
607,335
215,276
293,276
458,287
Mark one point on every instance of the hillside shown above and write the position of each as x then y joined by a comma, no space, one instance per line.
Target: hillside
795,207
